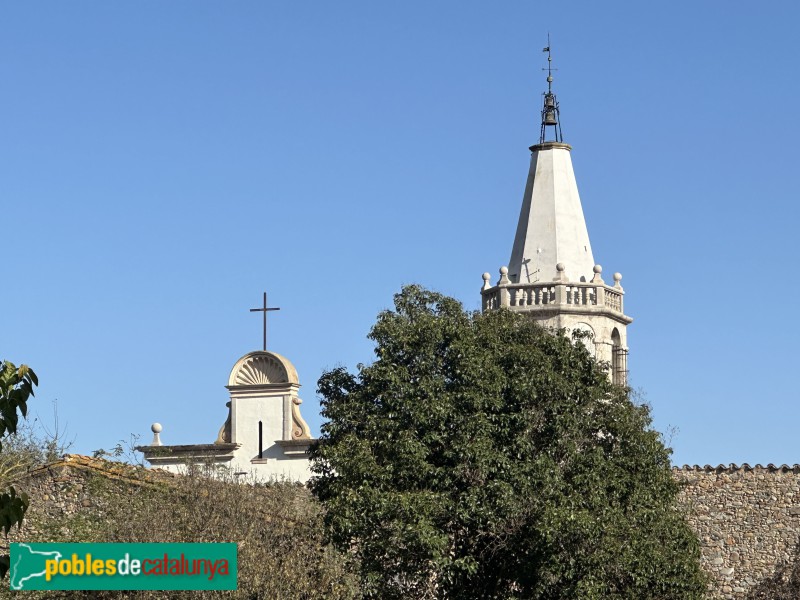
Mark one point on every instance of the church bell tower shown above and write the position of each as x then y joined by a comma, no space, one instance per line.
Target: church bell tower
551,275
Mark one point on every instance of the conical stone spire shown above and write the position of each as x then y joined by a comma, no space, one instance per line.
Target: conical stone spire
551,226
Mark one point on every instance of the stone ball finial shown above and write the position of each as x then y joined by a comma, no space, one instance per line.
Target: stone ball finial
597,277
561,274
156,429
486,277
503,276
617,277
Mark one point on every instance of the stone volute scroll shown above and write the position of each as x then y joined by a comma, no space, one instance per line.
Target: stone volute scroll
224,435
300,430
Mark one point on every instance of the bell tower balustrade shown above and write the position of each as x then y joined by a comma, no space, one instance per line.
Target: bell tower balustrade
560,295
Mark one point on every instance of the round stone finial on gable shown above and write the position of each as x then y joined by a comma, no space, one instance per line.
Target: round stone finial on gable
156,429
560,267
597,269
503,270
617,276
262,368
486,276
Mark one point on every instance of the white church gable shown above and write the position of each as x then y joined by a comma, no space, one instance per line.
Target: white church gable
264,436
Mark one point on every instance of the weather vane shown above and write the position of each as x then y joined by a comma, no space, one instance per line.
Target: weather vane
549,68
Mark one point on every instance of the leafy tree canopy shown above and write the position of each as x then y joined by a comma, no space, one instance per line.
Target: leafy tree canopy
480,456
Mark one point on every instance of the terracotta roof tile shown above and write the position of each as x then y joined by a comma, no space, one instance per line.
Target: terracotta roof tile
733,467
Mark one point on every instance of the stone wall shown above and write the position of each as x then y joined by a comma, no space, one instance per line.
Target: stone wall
748,522
281,551
70,486
747,518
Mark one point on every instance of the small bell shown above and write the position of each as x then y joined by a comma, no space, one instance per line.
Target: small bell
550,112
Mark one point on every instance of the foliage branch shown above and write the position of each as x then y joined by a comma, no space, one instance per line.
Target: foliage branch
16,386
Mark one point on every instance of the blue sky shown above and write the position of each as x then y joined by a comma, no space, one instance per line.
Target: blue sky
164,163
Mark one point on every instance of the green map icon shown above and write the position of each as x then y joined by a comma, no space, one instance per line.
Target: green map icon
28,564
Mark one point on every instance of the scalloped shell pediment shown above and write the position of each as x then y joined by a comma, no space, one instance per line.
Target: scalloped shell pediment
262,368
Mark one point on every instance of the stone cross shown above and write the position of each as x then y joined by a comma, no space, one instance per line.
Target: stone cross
264,310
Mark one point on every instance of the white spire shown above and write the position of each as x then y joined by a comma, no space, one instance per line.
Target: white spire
551,226
551,275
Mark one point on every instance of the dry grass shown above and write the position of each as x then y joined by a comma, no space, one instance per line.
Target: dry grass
277,526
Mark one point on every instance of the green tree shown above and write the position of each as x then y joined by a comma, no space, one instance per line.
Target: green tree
480,456
16,386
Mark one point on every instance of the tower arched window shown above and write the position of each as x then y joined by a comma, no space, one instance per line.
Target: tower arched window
619,359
